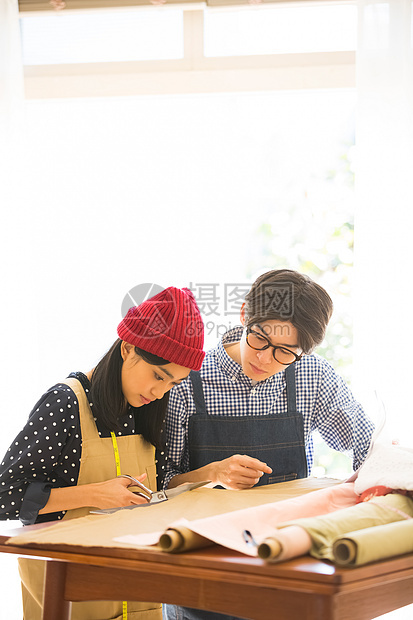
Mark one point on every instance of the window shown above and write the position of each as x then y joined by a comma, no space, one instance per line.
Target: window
280,30
101,36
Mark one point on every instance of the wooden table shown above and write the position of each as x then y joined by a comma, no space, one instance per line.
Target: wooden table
221,580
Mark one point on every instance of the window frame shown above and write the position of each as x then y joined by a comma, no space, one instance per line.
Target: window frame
194,72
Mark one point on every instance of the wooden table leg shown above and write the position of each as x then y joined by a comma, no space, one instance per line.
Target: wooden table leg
54,604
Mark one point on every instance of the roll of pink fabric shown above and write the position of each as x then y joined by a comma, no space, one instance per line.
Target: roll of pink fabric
261,521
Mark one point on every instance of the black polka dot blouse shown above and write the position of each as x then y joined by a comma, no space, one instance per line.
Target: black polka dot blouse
47,454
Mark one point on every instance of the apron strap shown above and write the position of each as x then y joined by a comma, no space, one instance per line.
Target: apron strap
291,392
199,398
87,424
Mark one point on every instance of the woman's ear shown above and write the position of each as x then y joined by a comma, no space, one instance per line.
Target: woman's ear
242,315
125,349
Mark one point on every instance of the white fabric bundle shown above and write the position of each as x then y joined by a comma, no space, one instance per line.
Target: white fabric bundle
387,465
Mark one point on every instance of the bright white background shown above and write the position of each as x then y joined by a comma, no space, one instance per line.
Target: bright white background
170,190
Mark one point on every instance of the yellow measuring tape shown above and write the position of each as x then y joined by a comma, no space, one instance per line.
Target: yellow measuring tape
116,451
118,473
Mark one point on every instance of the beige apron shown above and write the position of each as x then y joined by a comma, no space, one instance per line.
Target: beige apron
97,464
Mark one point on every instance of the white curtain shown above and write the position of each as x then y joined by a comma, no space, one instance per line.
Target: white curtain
15,304
15,264
11,74
384,217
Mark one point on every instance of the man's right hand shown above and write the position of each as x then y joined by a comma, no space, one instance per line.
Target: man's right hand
237,472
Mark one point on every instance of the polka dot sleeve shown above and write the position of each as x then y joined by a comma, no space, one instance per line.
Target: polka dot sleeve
45,454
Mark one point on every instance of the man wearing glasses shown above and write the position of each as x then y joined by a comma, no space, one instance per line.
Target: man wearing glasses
247,416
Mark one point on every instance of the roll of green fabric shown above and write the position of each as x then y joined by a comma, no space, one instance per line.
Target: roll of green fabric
325,529
374,543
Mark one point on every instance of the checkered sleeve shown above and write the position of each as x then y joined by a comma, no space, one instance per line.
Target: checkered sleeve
177,432
339,418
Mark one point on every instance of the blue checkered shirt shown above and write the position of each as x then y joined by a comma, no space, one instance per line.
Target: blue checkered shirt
324,400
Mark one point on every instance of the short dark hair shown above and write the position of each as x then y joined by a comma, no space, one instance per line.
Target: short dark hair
109,403
287,295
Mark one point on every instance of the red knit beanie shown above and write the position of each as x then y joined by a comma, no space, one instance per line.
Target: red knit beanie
169,325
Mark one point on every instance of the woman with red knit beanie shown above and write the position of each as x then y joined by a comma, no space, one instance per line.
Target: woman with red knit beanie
91,428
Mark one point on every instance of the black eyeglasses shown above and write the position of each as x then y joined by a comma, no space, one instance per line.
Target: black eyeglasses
259,342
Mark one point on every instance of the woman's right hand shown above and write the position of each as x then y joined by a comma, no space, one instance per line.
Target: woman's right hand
115,493
109,494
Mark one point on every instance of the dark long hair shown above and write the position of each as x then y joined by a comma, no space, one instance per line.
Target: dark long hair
109,403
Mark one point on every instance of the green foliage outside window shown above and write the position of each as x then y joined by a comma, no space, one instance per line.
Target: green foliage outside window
311,229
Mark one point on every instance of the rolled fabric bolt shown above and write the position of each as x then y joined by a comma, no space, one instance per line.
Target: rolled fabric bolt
270,549
176,540
285,544
325,529
171,540
344,551
374,543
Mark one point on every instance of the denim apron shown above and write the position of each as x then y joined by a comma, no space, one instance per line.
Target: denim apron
277,440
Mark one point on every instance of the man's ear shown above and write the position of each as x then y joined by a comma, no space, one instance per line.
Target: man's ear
242,315
125,349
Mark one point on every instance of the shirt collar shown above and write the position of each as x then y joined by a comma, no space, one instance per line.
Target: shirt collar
229,366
